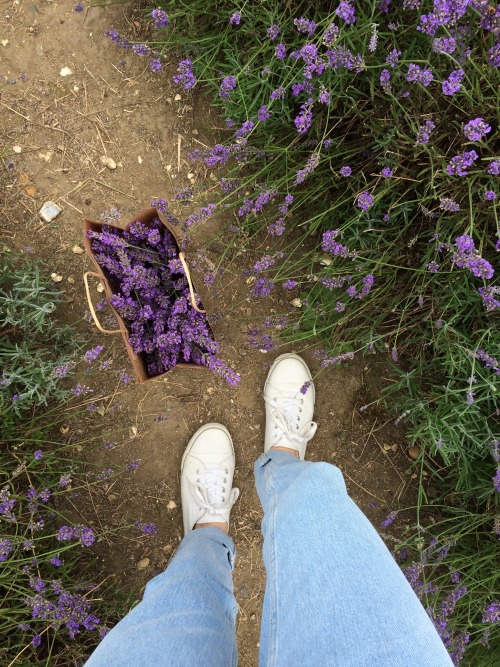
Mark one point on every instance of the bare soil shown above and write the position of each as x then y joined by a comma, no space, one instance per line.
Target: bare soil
55,131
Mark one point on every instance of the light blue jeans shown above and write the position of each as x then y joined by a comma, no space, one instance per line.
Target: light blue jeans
334,594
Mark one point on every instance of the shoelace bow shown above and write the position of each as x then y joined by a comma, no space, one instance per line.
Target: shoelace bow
285,414
210,490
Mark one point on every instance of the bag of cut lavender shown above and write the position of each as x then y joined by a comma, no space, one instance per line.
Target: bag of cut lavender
149,289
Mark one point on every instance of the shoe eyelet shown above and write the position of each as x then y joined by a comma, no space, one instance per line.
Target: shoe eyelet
225,480
223,499
302,401
224,489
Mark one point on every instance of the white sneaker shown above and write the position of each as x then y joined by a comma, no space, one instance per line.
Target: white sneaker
207,471
289,410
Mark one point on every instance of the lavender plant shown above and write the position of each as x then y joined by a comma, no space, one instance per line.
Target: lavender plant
361,138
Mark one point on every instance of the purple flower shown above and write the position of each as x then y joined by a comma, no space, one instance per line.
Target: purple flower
476,129
155,66
78,7
273,32
496,481
38,455
459,164
448,204
65,534
424,132
390,518
141,49
393,58
451,85
488,295
385,80
324,96
263,114
432,267
185,76
345,171
465,243
494,55
161,19
289,284
444,45
5,549
418,75
394,355
228,84
280,51
64,480
329,244
37,639
146,528
386,172
81,390
331,34
492,612
235,18
92,354
262,287
346,12
312,163
305,387
304,120
489,195
494,168
364,201
277,94
488,360
56,561
304,26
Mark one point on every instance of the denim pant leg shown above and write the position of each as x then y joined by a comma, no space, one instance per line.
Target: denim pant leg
334,594
187,616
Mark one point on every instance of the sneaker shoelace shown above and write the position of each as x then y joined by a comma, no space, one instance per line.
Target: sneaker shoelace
210,489
285,413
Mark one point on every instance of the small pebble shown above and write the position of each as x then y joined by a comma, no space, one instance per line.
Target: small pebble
171,505
17,149
65,72
414,452
143,563
49,211
56,278
77,250
108,162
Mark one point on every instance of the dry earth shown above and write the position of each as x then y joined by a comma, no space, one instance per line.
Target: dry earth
55,131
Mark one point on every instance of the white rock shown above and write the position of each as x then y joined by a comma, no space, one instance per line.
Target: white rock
100,288
17,149
190,176
171,505
108,162
77,250
65,72
75,89
56,278
143,563
296,302
139,159
49,211
4,42
178,98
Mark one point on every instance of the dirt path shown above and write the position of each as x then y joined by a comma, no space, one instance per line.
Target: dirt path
55,131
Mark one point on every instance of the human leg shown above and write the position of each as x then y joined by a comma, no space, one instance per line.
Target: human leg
334,594
188,613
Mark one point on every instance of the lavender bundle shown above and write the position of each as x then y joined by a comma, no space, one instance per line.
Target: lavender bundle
152,296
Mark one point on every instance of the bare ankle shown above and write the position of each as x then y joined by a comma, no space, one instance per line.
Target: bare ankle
221,526
287,449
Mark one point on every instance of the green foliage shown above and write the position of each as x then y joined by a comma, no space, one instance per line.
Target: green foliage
36,351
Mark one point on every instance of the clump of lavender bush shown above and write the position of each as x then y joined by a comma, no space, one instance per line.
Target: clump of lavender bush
362,137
